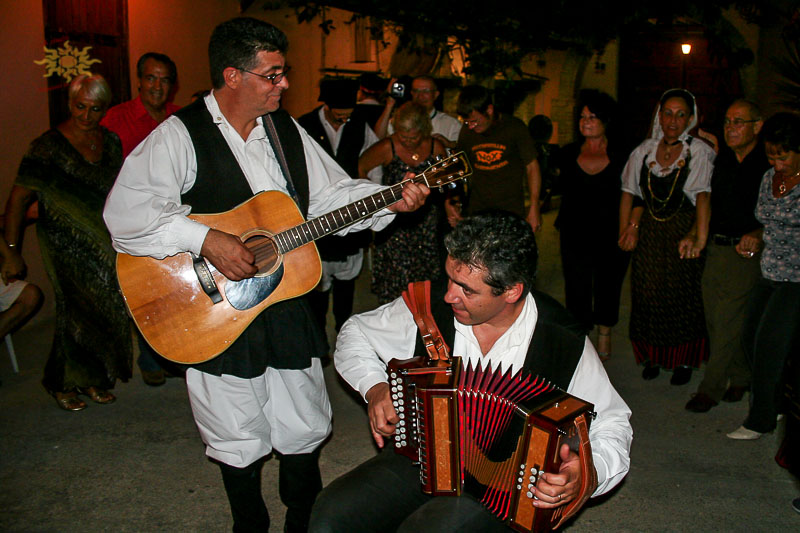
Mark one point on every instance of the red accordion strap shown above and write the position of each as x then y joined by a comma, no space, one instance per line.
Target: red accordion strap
418,300
588,473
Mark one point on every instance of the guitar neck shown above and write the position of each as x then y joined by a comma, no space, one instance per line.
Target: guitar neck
343,217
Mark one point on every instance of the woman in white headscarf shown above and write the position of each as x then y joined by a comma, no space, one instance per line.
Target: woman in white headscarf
664,214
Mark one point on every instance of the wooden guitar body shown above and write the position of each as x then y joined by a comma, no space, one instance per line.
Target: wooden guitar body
179,320
189,313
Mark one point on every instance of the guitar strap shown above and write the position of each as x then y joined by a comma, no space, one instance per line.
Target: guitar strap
418,299
277,147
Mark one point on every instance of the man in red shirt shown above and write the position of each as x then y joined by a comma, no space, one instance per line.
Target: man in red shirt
135,119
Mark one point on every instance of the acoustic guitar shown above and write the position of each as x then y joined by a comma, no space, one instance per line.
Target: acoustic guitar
190,313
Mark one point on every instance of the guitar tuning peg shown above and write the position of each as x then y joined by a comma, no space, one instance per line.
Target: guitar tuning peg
438,158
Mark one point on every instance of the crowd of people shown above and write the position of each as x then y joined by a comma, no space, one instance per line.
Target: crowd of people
711,232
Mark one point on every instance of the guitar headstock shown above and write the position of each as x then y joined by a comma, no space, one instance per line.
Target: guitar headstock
455,167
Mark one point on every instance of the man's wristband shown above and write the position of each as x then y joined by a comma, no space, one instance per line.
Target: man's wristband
634,224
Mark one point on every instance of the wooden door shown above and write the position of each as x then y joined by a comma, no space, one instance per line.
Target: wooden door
70,26
651,62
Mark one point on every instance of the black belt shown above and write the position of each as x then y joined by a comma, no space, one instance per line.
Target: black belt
724,240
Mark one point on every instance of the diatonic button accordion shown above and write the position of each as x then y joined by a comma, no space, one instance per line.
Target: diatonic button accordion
487,433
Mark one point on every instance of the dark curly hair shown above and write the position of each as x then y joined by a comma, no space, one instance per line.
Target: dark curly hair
782,130
236,42
601,104
500,243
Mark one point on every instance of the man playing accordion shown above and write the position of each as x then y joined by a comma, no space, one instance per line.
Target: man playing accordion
489,314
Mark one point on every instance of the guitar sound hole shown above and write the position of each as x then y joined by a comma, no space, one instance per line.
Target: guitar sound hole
263,247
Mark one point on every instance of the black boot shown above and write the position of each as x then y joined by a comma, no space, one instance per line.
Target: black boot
299,482
243,486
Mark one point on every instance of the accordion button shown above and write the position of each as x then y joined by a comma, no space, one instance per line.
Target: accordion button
394,396
519,487
532,479
529,494
397,445
519,480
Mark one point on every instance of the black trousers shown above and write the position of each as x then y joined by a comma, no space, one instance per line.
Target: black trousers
343,291
384,494
770,336
299,482
593,276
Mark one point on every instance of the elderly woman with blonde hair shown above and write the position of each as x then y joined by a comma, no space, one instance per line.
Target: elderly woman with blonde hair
69,171
411,247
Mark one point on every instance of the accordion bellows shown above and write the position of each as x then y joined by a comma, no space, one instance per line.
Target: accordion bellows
487,433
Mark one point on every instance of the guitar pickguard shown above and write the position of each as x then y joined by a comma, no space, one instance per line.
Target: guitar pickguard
250,292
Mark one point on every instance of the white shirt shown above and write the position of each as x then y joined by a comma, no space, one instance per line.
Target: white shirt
351,266
368,341
701,166
334,136
443,124
144,212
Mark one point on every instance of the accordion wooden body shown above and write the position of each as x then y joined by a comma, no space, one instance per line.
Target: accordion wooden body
487,433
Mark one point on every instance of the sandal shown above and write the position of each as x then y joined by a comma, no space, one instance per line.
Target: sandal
97,395
69,401
604,341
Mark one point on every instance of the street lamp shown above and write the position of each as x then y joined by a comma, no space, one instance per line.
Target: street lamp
686,49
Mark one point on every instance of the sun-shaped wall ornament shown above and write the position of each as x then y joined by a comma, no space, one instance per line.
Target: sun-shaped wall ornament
67,61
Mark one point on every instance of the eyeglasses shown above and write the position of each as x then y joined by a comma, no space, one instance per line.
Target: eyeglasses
274,79
737,122
167,80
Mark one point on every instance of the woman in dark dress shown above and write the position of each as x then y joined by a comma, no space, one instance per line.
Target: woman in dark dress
410,248
588,221
664,214
69,171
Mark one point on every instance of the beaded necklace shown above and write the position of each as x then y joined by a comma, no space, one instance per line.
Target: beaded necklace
657,205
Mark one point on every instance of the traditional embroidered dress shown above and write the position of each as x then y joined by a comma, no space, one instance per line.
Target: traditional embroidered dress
667,324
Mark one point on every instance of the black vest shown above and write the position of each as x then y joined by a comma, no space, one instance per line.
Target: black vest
285,335
556,346
334,247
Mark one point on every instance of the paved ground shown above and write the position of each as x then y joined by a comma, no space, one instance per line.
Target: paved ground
138,465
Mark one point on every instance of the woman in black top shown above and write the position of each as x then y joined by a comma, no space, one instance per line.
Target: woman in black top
594,266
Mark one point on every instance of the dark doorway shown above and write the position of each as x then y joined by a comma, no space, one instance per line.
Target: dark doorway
651,62
71,26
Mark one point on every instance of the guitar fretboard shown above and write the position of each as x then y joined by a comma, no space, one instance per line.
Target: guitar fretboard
345,216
